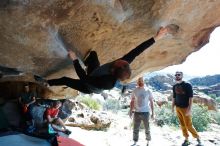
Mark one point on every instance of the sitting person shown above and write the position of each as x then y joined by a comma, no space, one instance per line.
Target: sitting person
52,119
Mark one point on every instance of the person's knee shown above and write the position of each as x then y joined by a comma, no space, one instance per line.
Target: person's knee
189,126
53,125
184,127
57,121
188,123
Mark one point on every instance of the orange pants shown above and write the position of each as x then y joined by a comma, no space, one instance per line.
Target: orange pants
186,123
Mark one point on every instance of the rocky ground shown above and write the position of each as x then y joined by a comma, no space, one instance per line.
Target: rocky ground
120,134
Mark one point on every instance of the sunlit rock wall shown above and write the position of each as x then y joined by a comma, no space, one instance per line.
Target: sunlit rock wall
34,34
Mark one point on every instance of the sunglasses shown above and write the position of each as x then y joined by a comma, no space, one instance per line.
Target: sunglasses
177,74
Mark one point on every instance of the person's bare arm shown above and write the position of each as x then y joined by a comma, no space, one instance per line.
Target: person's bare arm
173,104
152,107
72,55
49,119
130,56
190,93
131,105
32,101
173,99
161,33
56,114
189,109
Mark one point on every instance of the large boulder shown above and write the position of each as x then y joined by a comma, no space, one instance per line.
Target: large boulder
36,33
205,100
90,120
84,117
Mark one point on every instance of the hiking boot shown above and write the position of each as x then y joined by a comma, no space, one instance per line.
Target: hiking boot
199,142
147,143
134,144
148,137
186,143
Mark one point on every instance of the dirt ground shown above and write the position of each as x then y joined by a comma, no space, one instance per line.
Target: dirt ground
120,134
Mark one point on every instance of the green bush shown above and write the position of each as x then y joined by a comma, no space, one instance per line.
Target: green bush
201,117
111,105
218,99
213,96
91,103
164,116
215,117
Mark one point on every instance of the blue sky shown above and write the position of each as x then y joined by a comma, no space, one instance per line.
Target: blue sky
203,62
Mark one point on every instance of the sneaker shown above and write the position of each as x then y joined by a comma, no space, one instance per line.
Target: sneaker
199,142
186,143
67,132
134,144
148,137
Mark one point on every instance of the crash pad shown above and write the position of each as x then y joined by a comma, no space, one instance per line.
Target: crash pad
65,141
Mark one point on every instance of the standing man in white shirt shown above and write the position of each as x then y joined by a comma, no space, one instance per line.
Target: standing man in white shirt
141,97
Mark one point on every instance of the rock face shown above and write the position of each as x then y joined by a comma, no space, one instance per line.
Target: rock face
36,33
205,100
86,118
90,121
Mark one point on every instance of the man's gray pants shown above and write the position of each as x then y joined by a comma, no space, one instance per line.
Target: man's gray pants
138,117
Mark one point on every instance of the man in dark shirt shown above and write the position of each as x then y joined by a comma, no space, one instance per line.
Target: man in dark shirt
182,100
26,101
104,77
